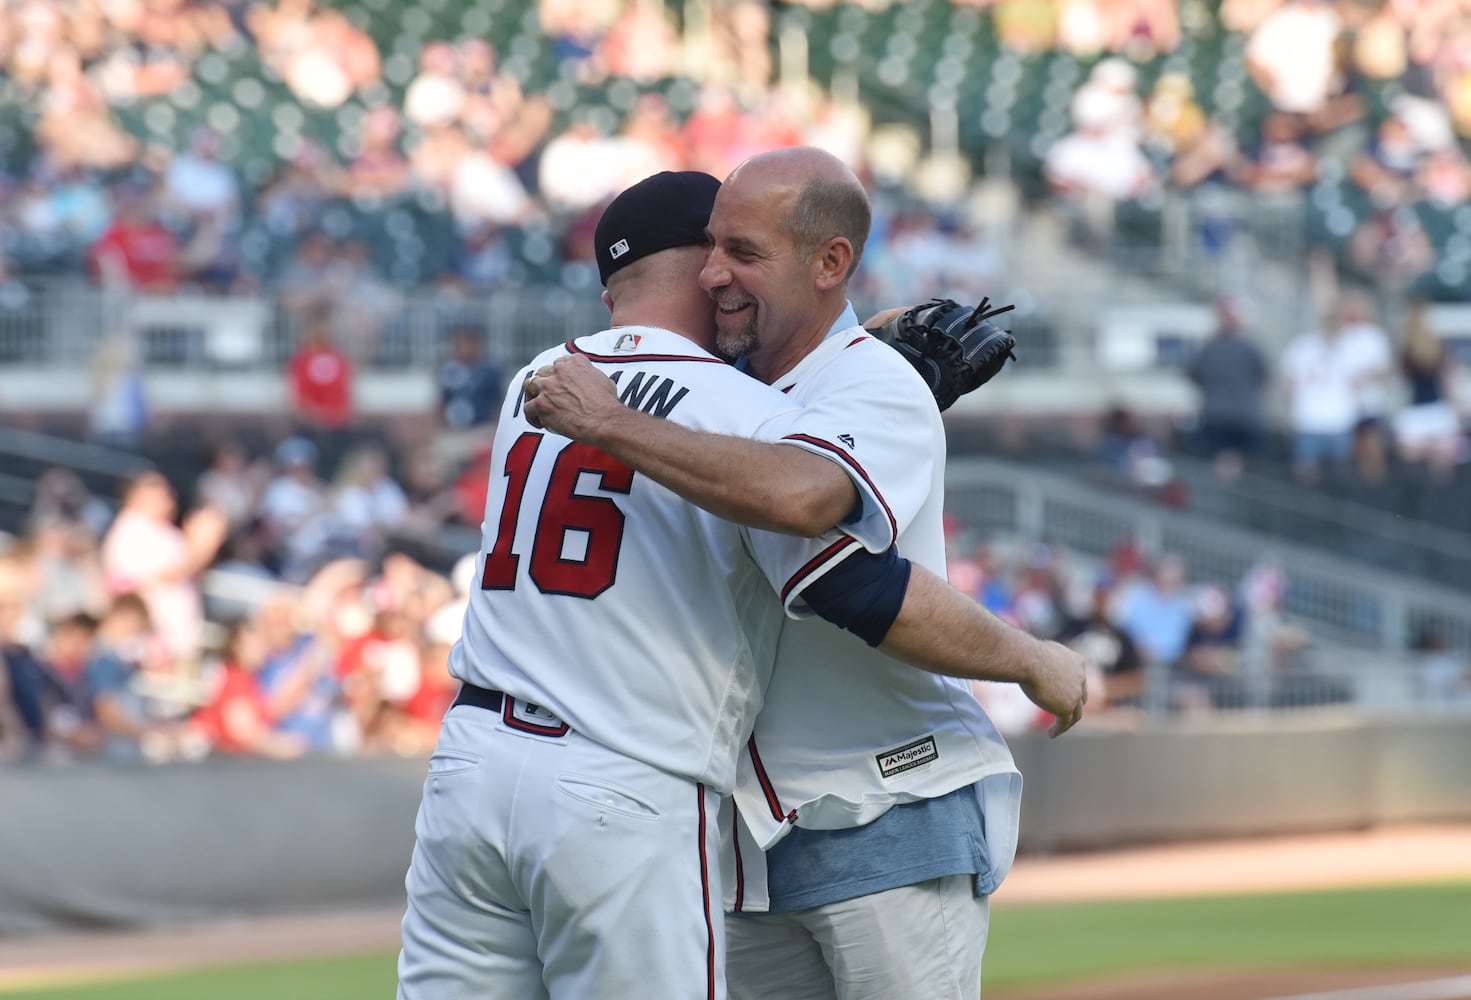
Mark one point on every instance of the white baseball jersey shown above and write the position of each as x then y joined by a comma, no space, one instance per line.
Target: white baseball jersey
635,618
846,731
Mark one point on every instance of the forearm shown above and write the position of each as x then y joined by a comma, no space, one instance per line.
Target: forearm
941,630
775,487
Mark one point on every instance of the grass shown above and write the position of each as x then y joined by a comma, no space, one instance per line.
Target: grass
360,977
1029,945
1364,928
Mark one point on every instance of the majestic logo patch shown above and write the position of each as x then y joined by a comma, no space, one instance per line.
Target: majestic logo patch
628,342
618,249
847,439
906,758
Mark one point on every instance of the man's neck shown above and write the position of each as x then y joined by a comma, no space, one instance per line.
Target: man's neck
662,320
801,343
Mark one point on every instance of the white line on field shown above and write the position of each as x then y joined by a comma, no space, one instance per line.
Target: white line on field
1435,989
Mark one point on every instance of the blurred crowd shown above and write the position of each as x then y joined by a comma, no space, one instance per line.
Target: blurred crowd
1159,641
461,136
1149,631
1370,93
1365,105
319,637
328,624
1362,408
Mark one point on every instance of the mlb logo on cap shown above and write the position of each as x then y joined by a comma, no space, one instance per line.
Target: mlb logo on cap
670,209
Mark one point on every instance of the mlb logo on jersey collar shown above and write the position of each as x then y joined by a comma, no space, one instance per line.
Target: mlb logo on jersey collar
628,342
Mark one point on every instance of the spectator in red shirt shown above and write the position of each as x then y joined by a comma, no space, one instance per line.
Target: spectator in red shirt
380,673
136,251
437,687
320,376
237,719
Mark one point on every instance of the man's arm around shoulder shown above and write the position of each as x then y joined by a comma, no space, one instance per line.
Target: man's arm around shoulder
774,487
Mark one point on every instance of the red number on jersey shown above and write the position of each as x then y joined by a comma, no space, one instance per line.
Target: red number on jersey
501,563
596,521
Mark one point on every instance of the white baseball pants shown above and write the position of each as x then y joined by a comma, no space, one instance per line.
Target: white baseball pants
552,867
918,942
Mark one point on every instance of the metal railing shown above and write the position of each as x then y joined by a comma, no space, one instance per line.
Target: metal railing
80,456
61,324
1371,609
1364,623
25,455
1392,537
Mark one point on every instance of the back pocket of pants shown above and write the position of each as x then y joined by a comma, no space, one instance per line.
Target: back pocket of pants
601,794
447,762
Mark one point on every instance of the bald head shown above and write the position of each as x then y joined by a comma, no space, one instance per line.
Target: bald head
822,199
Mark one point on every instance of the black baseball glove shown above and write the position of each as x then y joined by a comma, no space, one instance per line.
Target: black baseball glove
954,348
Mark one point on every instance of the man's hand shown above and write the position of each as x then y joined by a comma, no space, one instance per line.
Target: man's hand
878,319
572,398
1059,685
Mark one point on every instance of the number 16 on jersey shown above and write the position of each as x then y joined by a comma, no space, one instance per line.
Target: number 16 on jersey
559,511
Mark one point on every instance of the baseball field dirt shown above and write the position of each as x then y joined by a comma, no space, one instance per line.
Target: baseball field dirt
1425,855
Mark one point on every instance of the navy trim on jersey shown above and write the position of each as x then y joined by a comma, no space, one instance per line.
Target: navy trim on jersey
529,727
705,892
862,594
852,463
735,839
772,802
623,359
815,563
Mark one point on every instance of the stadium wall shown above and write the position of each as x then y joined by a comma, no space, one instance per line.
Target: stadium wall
105,846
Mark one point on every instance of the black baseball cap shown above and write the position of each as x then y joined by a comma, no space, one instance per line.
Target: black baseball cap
669,209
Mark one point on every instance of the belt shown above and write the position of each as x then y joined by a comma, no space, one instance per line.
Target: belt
523,717
480,697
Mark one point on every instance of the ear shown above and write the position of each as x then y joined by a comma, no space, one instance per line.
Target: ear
831,263
608,300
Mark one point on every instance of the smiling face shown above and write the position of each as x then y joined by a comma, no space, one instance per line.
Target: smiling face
786,232
754,273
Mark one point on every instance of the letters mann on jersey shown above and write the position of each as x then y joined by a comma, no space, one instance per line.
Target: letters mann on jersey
907,757
654,394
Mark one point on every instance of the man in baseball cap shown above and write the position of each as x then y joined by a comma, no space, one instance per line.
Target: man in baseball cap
787,230
670,209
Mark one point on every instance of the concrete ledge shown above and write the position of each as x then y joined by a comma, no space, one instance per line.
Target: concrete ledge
96,846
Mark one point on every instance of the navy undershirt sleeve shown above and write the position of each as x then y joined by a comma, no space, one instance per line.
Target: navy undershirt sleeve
862,594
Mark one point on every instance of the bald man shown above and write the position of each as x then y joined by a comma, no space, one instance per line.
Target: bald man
876,806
